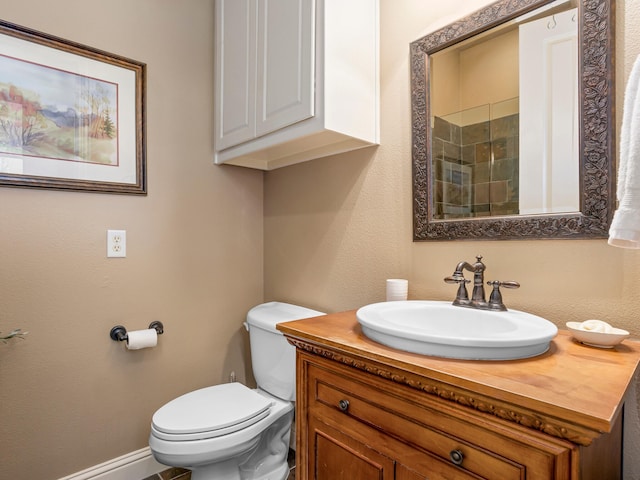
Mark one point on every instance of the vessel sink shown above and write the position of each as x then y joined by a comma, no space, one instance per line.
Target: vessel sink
440,329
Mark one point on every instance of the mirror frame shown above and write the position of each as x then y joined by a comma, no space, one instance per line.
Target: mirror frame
596,136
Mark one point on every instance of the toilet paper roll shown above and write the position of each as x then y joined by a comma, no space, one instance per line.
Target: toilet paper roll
397,289
142,339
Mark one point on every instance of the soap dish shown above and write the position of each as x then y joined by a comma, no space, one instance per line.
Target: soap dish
597,339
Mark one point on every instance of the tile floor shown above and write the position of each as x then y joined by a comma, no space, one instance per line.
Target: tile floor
172,474
182,474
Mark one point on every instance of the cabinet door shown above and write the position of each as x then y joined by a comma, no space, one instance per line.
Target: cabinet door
285,64
235,63
333,455
404,473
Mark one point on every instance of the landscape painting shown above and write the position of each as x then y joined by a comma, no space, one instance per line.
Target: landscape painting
72,117
53,114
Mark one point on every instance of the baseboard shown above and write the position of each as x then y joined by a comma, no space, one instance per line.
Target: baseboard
136,465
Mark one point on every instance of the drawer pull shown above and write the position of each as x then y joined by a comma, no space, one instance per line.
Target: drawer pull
344,405
456,457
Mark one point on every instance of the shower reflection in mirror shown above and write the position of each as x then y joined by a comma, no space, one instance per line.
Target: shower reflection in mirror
505,120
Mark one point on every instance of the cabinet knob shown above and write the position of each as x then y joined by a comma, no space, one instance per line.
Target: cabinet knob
456,457
344,405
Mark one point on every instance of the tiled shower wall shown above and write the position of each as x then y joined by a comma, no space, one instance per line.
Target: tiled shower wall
475,168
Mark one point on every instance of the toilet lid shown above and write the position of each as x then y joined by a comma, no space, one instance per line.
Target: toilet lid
211,412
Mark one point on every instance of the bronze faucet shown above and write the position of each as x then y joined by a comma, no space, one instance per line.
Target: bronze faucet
478,299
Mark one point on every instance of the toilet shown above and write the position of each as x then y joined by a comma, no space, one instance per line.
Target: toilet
229,431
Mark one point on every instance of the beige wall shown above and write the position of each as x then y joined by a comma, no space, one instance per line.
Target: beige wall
478,75
70,397
490,71
444,78
336,228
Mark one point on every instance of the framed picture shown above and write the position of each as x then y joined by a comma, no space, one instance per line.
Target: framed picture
72,117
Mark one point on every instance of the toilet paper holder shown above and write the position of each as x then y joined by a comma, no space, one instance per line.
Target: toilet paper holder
119,333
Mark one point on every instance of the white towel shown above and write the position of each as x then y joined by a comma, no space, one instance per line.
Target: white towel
625,227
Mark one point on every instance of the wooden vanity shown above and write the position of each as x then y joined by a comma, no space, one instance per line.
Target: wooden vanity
365,411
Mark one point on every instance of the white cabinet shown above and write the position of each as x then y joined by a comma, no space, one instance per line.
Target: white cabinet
295,80
285,63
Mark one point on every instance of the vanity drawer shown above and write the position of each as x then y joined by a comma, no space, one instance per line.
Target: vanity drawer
337,399
361,402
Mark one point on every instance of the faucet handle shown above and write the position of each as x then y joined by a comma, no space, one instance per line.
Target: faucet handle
495,299
459,278
462,297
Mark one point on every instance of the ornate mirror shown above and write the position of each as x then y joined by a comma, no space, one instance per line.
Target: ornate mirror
513,123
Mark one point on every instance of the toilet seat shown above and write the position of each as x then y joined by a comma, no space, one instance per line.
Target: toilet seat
210,412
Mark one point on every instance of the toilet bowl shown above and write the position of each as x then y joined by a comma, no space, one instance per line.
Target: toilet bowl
230,431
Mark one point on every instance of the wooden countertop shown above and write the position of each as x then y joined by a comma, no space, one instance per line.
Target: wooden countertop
573,391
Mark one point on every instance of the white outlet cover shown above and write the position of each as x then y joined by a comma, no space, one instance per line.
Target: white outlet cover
116,243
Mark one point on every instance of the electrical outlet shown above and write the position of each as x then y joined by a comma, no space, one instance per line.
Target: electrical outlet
116,243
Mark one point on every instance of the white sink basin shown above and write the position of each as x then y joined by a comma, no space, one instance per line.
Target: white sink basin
443,330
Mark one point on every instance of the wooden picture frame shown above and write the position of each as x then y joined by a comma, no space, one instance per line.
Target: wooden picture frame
72,117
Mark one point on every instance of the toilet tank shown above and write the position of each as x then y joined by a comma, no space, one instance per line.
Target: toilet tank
273,358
